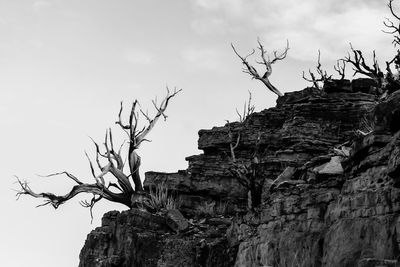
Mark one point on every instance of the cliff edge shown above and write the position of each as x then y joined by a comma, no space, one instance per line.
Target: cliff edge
329,168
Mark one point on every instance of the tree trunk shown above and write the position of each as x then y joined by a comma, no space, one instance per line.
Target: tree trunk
270,86
134,164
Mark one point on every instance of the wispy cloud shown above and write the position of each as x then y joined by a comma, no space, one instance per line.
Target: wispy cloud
309,25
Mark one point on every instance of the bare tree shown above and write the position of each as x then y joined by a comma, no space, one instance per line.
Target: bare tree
248,109
323,75
340,68
245,171
122,190
393,29
266,61
361,67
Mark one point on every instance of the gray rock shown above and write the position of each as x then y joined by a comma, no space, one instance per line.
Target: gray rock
176,221
334,166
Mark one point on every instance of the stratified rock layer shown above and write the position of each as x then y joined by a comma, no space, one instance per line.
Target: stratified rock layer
137,238
330,164
304,125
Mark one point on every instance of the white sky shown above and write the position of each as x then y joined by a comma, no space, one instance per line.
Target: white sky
66,65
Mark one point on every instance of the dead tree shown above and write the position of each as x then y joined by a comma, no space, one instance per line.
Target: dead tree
245,171
361,67
110,161
266,61
393,29
323,75
248,109
340,68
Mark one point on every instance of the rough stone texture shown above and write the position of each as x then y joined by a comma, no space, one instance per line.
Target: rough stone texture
334,166
137,238
176,221
347,217
304,125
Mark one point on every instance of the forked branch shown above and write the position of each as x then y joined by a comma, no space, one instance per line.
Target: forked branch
361,67
393,28
323,75
340,68
248,109
109,161
266,62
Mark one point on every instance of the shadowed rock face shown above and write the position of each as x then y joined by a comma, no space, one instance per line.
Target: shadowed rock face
326,208
304,125
138,238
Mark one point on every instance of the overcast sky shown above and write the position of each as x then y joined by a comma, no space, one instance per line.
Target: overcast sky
66,65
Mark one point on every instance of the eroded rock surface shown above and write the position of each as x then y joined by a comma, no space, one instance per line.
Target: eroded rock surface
138,238
331,196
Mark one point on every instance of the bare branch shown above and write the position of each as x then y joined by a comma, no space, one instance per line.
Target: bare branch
340,68
323,75
57,200
244,170
249,69
139,138
248,109
114,166
392,28
266,61
73,177
232,145
392,11
360,66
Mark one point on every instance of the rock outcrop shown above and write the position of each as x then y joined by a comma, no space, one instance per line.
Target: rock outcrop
138,238
329,162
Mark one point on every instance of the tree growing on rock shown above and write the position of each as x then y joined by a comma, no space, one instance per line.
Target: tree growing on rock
245,171
266,62
321,76
109,161
361,67
393,28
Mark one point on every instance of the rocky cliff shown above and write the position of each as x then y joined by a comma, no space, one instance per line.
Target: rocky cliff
329,164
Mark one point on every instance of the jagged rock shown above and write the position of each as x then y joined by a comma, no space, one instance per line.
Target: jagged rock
365,85
394,162
347,214
138,238
334,86
283,177
334,166
176,221
304,125
343,151
387,114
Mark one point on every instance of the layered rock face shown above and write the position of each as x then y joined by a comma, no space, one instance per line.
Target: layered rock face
334,219
304,125
329,162
138,238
